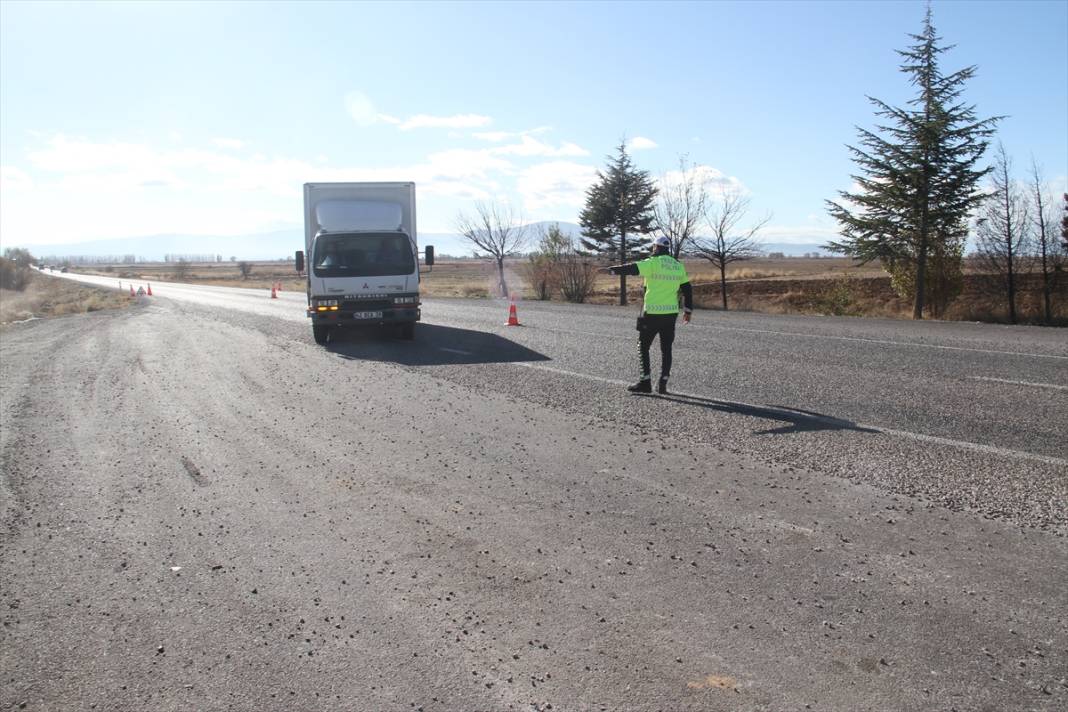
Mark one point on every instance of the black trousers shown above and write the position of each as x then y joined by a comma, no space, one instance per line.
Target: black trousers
651,326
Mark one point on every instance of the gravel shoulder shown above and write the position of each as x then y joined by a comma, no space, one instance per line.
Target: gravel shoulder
203,510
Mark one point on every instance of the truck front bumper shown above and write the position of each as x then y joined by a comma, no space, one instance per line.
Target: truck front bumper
393,315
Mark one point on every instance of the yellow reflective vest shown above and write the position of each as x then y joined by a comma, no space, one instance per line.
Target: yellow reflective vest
663,275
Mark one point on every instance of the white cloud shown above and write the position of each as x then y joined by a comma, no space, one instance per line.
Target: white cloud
66,155
454,189
118,189
495,136
363,112
713,178
498,136
640,143
12,178
528,146
361,108
458,121
462,163
124,188
235,143
555,184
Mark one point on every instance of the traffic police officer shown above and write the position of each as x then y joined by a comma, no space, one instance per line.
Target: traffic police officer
664,278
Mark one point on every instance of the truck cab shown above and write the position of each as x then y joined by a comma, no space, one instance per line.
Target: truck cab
362,257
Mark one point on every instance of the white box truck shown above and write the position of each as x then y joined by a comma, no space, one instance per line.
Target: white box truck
361,257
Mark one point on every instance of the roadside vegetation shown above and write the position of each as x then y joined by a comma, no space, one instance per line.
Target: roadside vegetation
771,284
27,294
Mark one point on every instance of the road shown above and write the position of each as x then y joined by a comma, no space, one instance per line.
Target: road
204,510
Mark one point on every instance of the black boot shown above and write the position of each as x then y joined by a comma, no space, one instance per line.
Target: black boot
661,387
642,386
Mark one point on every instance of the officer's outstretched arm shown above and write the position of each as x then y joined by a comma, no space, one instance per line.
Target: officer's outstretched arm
630,268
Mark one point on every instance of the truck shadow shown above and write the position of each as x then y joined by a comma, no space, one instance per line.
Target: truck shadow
797,420
433,346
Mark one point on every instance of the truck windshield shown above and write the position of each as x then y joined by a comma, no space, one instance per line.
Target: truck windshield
367,254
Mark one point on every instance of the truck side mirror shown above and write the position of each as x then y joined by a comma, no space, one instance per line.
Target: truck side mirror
428,256
299,256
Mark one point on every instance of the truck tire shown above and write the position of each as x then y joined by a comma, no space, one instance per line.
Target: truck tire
320,333
406,332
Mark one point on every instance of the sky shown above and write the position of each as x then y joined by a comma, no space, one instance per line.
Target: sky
130,119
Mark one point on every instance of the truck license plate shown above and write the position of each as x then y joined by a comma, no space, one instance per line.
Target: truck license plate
367,315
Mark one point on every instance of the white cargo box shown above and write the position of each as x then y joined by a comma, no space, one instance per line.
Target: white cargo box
362,215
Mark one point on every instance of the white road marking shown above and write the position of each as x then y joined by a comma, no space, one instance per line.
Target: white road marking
1019,383
886,341
963,444
623,335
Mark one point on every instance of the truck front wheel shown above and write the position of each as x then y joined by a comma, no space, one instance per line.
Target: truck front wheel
321,333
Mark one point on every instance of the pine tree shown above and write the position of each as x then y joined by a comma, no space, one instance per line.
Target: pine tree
619,212
918,182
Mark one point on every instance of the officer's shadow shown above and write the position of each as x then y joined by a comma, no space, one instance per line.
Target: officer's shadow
799,421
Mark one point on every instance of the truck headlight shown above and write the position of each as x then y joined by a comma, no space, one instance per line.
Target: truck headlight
404,300
325,304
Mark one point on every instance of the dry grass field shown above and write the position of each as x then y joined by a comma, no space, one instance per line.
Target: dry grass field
791,285
475,278
220,274
51,296
472,278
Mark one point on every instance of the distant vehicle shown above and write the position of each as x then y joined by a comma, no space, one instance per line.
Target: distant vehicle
362,257
64,270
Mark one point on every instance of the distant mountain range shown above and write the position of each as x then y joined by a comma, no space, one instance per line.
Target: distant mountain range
281,244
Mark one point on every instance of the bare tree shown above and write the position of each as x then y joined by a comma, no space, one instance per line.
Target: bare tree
577,275
728,242
680,205
495,230
542,267
245,269
1064,225
1051,256
181,269
1001,230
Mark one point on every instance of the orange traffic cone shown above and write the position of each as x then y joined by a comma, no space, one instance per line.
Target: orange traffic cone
132,291
513,317
274,292
150,289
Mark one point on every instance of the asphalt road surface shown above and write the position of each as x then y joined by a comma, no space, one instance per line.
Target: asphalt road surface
203,510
